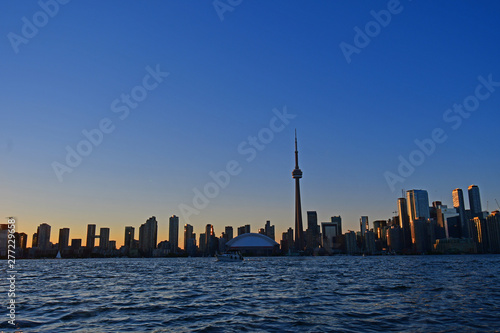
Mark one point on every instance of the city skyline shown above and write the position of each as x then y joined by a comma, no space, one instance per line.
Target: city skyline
407,206
133,115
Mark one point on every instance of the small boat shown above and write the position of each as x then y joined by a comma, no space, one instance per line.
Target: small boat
229,256
58,256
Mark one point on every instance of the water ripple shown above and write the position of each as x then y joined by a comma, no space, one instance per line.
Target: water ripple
304,294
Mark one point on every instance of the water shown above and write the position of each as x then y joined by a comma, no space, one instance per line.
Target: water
301,294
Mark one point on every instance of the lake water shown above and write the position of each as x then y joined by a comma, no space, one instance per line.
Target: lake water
283,294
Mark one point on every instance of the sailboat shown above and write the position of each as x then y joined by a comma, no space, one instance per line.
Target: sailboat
58,256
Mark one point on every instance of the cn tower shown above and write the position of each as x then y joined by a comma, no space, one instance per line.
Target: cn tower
297,174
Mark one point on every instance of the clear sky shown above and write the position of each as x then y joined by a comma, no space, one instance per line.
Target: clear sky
360,100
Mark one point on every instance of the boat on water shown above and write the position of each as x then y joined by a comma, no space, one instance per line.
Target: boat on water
229,256
58,256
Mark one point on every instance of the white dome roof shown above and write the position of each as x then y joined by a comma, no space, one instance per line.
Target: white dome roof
251,240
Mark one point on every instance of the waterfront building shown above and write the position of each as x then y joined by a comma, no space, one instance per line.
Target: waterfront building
43,233
228,230
188,235
418,235
493,226
475,201
312,232
459,204
269,230
418,204
364,226
173,233
351,243
404,223
253,244
148,233
129,237
91,236
104,239
63,239
369,242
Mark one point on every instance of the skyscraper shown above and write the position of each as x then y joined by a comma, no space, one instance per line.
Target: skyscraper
459,204
129,237
148,236
269,230
104,239
229,233
475,201
173,232
312,232
337,220
90,236
418,204
364,224
44,236
404,222
297,174
188,235
63,238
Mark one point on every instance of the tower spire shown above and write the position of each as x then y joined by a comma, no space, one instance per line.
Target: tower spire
296,152
297,174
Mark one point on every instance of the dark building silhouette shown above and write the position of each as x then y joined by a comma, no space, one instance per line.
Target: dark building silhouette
43,233
173,233
299,230
129,237
91,236
148,233
313,230
269,230
188,237
63,239
104,239
228,231
459,204
475,201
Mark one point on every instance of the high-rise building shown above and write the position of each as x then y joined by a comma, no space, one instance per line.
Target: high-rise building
148,233
329,231
404,223
188,236
493,226
337,220
312,232
480,234
297,174
269,230
34,241
63,239
229,233
129,237
44,236
287,242
351,242
418,204
475,201
202,243
173,232
418,235
364,224
104,239
91,236
459,204
21,240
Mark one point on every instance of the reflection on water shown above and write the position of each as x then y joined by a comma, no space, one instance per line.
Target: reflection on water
306,294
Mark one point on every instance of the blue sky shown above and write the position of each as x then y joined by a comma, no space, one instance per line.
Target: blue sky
225,78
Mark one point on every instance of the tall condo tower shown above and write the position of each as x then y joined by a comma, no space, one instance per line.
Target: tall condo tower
297,174
475,200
